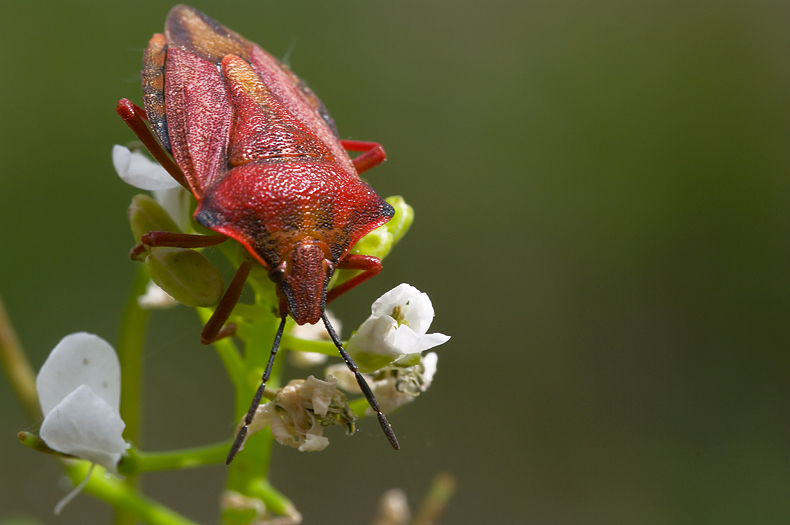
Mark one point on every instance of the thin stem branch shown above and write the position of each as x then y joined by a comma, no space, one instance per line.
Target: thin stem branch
136,461
130,352
121,496
308,345
435,502
17,368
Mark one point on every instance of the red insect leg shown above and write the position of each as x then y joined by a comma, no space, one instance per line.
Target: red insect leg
174,240
369,265
135,118
214,329
373,154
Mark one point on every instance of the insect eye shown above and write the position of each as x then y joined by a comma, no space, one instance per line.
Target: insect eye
278,273
330,268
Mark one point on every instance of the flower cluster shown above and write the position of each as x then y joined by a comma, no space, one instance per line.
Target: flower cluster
301,410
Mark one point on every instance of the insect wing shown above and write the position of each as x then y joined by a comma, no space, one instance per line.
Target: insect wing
199,118
194,32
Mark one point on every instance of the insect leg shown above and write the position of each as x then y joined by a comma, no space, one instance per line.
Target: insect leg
256,400
370,266
174,240
363,385
214,330
135,118
373,154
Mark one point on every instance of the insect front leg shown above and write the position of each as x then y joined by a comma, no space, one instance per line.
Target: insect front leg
369,265
136,119
174,240
373,154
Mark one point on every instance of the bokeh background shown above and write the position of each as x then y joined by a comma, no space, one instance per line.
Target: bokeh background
602,194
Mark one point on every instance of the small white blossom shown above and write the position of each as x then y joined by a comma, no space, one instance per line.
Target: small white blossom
155,298
301,410
397,326
79,387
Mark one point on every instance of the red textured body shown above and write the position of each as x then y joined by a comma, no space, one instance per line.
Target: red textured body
260,154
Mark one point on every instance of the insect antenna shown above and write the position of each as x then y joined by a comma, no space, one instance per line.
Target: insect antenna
256,400
385,425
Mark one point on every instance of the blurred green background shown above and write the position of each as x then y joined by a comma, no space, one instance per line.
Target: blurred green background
601,191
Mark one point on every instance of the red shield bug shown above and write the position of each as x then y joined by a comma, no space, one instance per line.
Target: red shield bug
262,157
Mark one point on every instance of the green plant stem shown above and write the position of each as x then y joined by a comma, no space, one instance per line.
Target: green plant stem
249,469
17,368
308,345
274,500
135,461
121,496
227,351
442,489
130,352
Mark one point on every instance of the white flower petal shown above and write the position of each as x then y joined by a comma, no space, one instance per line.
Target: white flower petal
429,362
407,341
85,425
320,393
419,313
176,201
345,378
375,336
80,359
136,169
415,306
155,298
314,441
399,295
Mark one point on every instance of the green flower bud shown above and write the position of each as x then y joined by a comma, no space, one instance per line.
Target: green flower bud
146,215
380,241
400,223
186,275
407,360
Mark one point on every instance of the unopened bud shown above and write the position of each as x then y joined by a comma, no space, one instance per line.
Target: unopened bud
147,215
380,241
186,275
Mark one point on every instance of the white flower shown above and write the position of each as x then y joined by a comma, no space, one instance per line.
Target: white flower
397,326
79,387
300,411
139,171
